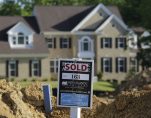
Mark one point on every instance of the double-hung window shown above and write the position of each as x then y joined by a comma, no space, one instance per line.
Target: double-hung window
121,64
35,68
121,42
51,42
106,42
12,68
21,40
106,64
133,64
54,66
65,42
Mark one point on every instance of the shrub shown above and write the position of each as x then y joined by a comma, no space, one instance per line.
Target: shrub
53,79
33,80
45,79
12,79
100,75
25,79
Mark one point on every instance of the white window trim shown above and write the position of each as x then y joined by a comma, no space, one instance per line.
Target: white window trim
106,40
119,42
50,42
90,44
65,43
55,66
35,69
133,65
10,69
17,39
119,66
106,66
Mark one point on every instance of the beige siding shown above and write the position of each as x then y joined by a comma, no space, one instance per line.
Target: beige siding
93,21
23,69
60,52
45,68
2,67
113,52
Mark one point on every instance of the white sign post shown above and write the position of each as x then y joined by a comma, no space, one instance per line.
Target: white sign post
75,112
75,85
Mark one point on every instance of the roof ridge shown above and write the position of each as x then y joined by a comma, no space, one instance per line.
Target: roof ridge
65,6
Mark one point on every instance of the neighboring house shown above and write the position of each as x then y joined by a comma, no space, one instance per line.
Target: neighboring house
87,32
142,32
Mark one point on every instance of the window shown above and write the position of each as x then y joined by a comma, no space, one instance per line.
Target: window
27,40
14,40
106,64
106,42
133,63
35,66
54,66
51,42
120,42
65,42
86,44
121,64
20,39
12,68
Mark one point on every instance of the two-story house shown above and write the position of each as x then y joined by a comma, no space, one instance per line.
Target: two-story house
87,32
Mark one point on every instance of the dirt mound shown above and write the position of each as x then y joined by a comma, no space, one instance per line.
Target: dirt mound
28,103
33,94
12,104
134,104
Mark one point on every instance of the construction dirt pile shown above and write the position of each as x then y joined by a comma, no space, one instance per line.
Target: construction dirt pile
28,103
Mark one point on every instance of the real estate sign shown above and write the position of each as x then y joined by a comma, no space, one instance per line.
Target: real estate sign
75,83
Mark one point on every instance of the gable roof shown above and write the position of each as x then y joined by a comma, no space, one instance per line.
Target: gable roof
113,17
60,18
20,24
6,22
64,18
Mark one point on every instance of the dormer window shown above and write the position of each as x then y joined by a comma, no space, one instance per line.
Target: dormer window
26,40
14,40
21,38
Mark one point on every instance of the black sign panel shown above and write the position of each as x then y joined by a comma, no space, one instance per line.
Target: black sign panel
75,83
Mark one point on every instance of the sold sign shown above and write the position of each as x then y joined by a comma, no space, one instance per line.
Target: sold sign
76,67
75,83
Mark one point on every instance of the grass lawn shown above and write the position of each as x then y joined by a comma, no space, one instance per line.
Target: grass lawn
98,86
104,86
53,84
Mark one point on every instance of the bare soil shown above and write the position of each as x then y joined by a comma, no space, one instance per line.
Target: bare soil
28,103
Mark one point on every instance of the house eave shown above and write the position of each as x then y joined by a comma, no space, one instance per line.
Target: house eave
24,55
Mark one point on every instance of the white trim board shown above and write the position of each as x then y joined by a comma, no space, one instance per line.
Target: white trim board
109,20
90,15
18,24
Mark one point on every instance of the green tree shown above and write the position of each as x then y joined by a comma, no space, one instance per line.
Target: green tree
9,8
145,9
130,11
28,5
